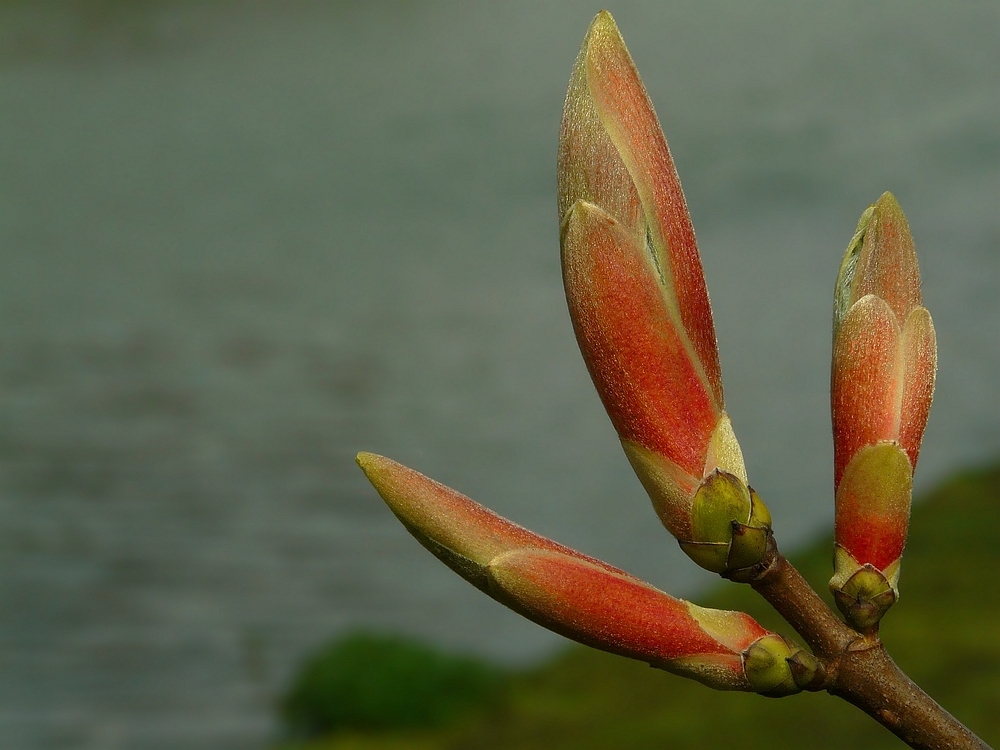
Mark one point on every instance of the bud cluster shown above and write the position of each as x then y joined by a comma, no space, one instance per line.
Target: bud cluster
639,305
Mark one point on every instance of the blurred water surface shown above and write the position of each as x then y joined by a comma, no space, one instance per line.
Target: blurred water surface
242,241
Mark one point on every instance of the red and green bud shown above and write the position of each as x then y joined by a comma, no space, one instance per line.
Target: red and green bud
884,362
583,598
639,304
725,508
777,667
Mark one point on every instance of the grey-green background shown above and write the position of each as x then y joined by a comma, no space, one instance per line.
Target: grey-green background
242,241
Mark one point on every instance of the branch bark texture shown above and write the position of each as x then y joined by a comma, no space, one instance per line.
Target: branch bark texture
858,668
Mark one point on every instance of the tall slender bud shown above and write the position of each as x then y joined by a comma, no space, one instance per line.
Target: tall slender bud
884,363
583,598
640,309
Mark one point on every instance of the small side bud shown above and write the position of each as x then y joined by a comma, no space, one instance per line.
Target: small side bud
748,547
767,663
863,593
807,671
730,525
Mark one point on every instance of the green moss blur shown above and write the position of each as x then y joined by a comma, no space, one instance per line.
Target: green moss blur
382,682
944,632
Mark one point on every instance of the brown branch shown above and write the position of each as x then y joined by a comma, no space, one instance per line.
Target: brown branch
870,679
857,667
790,594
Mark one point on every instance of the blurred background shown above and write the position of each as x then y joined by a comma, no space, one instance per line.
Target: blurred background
242,241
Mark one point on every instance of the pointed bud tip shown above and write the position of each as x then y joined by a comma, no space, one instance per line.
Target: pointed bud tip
887,202
377,468
603,36
604,24
367,461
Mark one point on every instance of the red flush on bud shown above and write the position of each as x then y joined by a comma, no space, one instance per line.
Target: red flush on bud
884,362
634,282
885,354
575,595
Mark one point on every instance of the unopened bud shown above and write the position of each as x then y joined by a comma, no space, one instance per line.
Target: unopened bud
767,666
730,525
863,593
